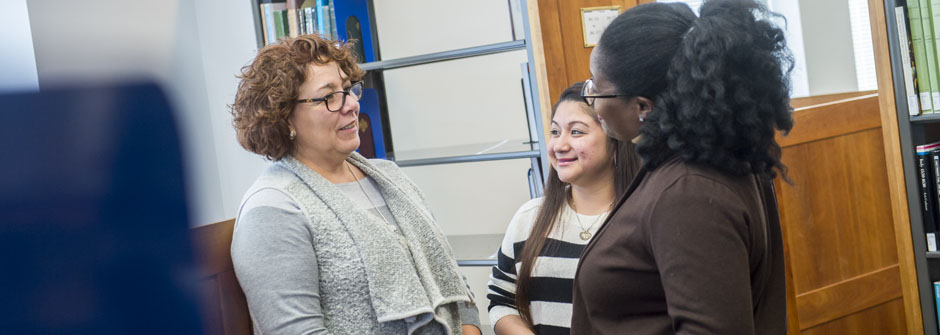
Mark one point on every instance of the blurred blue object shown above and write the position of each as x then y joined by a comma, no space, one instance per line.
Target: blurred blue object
93,218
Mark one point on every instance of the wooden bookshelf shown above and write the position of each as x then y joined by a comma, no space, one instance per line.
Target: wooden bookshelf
901,134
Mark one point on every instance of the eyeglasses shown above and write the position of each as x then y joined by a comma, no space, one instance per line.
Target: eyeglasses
588,93
335,101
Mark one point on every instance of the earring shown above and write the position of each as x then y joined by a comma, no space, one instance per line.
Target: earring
615,159
641,119
293,134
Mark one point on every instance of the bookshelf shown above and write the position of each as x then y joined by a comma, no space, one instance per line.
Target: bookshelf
902,132
529,146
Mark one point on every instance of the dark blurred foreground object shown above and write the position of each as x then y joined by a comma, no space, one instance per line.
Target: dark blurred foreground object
93,218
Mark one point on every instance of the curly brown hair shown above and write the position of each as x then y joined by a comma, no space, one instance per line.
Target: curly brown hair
269,86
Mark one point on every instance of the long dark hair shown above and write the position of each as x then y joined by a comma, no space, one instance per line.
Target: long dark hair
626,164
719,83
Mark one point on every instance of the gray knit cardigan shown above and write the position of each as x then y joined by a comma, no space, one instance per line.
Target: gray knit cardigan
370,280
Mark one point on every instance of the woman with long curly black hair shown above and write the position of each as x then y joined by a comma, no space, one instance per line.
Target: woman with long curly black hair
695,245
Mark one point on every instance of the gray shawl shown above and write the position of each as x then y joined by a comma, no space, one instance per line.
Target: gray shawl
416,280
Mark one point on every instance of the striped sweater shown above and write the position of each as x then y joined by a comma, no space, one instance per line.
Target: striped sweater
553,275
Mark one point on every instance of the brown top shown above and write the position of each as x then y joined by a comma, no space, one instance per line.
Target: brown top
685,251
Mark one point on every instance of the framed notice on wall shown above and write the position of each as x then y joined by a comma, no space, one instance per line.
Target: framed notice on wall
594,20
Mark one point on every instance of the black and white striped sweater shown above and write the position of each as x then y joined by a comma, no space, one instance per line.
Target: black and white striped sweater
553,275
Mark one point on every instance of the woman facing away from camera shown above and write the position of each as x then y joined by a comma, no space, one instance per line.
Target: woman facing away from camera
326,241
694,247
530,288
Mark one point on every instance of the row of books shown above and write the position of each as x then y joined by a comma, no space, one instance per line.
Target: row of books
292,18
919,42
928,173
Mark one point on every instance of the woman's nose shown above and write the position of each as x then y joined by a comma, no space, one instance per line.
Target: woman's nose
350,104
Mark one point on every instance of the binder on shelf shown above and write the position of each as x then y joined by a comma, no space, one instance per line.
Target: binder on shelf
907,65
371,135
927,187
352,22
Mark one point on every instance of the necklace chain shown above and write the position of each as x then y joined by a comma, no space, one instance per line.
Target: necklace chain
366,194
585,232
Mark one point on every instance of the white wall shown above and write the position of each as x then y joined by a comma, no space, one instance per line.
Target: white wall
17,60
790,9
227,43
195,60
459,102
830,60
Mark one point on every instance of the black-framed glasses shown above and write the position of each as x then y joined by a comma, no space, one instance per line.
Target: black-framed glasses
588,93
335,101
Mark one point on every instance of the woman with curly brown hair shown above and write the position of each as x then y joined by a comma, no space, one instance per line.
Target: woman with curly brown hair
326,241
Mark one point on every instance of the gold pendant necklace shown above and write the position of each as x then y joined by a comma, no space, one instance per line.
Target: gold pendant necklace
586,232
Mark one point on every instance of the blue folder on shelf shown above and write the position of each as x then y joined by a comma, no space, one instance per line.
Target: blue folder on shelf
371,138
352,19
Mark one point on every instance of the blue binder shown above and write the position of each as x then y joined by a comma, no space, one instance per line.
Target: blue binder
349,13
369,106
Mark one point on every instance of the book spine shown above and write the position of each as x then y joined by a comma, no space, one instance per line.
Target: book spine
927,198
293,26
920,55
328,22
293,18
936,296
311,20
904,45
332,12
935,188
321,19
264,22
930,48
270,27
302,20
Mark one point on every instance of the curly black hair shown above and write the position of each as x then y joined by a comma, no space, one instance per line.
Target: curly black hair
719,83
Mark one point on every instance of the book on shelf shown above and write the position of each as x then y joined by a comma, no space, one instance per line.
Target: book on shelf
920,55
927,188
293,18
325,19
930,46
907,66
936,296
268,25
280,24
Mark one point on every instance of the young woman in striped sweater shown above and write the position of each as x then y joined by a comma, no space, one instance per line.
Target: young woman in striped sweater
530,288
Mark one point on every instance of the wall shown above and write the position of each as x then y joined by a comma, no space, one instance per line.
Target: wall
830,62
17,60
794,26
471,101
110,40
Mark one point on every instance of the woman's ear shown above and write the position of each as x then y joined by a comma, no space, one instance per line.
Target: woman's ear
645,107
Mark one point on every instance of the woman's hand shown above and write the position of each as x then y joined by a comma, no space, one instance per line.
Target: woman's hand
470,330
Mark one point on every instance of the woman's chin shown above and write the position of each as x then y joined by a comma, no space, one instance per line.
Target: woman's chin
350,146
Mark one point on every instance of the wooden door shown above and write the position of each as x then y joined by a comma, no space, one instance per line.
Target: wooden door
842,262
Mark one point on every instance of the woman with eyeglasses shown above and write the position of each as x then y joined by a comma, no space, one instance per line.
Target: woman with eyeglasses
326,241
530,288
694,247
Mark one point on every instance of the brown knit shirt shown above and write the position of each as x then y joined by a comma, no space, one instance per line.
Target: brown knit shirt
688,250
